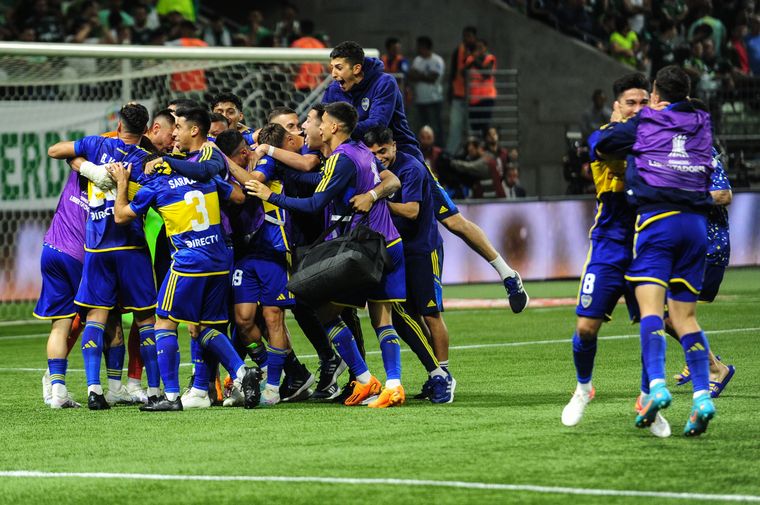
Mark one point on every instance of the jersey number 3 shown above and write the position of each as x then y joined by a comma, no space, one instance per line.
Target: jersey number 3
201,221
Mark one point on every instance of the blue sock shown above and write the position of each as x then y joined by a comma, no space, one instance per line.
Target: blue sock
391,351
697,352
344,342
584,352
57,368
167,349
92,350
653,345
148,354
115,361
644,377
201,373
275,361
219,344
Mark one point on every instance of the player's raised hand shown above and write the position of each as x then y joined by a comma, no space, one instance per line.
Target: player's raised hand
617,115
362,203
259,190
151,166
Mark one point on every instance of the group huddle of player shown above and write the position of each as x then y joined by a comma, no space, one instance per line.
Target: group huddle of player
660,239
221,207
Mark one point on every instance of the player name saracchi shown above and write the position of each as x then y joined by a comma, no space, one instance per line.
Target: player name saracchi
180,181
199,242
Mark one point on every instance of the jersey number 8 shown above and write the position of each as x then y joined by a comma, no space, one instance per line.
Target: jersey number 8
588,284
197,198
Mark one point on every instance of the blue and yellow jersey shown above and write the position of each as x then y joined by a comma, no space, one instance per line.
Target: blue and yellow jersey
273,234
102,234
191,212
718,241
248,137
614,216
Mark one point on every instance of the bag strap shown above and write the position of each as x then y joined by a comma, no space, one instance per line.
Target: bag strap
333,226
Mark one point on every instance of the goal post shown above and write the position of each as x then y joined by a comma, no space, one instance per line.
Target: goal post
53,92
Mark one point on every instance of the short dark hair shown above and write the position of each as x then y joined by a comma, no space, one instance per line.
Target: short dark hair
673,84
215,116
165,114
378,135
273,134
184,103
319,108
198,116
596,94
425,42
470,29
345,113
229,141
226,96
279,111
134,118
350,50
634,80
391,41
307,27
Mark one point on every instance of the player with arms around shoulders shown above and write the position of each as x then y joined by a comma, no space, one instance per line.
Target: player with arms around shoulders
351,169
195,290
669,149
376,96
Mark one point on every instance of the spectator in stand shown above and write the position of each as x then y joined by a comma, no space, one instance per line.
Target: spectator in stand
703,11
479,173
216,33
172,25
739,56
512,182
574,19
624,43
637,11
185,9
87,28
256,34
141,32
393,60
481,64
430,151
288,28
309,74
192,80
673,11
458,107
114,16
493,146
426,76
662,49
596,115
695,64
753,45
45,18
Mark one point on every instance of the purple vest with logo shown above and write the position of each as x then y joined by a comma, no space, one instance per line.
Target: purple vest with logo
66,232
367,178
673,149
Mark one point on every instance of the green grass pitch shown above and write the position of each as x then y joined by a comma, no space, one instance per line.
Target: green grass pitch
515,374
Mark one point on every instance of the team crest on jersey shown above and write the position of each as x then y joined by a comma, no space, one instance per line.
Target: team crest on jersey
585,301
679,147
365,103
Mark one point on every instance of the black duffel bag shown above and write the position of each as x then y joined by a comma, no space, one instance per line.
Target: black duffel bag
351,262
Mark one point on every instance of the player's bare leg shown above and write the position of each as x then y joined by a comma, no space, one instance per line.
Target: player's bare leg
57,352
477,240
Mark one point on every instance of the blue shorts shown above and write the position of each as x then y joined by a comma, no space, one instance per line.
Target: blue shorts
61,275
603,280
262,280
194,298
392,286
123,276
424,291
444,207
712,281
669,250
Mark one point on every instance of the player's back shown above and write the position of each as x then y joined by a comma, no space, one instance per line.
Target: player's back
102,232
192,215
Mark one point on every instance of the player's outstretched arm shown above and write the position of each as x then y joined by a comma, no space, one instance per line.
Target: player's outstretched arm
409,210
722,197
389,184
300,162
62,150
97,174
122,212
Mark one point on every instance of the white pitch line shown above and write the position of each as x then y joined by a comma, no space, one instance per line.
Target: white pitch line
453,347
396,482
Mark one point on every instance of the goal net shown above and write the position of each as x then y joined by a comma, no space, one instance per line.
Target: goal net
53,92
